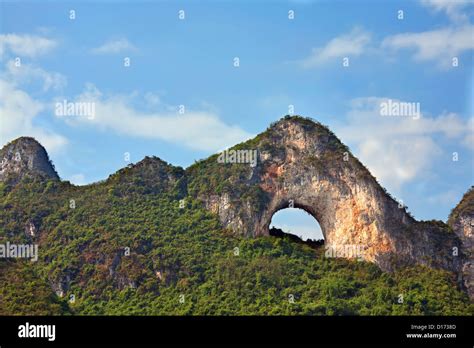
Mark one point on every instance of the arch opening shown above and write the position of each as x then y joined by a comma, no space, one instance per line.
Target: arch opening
298,224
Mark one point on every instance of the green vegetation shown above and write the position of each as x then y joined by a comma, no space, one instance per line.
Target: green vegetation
141,243
23,292
181,262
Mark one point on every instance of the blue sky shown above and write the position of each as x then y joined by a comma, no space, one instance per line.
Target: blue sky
283,62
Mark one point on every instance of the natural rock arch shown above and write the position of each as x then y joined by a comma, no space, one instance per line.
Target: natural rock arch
298,206
302,161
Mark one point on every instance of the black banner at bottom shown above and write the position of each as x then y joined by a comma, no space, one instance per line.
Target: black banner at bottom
291,331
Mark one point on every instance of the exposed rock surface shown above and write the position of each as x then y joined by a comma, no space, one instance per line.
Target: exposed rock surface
304,165
461,221
25,157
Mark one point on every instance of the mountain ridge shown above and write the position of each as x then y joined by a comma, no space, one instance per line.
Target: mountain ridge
291,153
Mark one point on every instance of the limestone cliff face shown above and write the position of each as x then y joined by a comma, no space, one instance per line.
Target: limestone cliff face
25,157
461,221
303,164
298,163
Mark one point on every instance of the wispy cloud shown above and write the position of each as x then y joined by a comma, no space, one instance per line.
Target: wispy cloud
114,47
352,44
18,111
398,150
452,8
439,45
25,45
201,130
27,73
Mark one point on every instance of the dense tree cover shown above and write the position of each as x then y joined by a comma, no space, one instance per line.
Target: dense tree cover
123,248
23,292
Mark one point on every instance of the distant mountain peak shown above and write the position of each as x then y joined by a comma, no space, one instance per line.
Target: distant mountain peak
25,156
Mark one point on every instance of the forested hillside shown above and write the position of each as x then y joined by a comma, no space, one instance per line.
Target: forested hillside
129,246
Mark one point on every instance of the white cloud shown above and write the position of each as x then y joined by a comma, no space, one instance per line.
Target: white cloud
352,44
27,73
25,45
114,46
201,130
399,149
18,110
439,45
452,8
152,99
468,140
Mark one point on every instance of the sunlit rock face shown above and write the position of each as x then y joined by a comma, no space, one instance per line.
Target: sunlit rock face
302,164
25,157
298,163
461,221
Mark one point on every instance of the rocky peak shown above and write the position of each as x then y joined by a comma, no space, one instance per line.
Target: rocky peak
302,164
461,218
461,221
297,131
152,174
151,168
25,157
292,125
